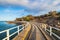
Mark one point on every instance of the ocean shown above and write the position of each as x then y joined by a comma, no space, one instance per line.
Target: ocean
4,26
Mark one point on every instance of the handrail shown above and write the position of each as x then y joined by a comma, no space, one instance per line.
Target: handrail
56,35
9,35
9,29
50,30
52,33
56,28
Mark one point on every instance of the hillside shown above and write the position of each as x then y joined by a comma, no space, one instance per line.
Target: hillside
52,18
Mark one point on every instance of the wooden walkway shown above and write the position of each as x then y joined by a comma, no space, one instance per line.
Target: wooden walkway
33,32
23,34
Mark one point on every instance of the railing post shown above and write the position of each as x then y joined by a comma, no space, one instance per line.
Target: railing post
50,31
41,25
7,34
18,30
45,28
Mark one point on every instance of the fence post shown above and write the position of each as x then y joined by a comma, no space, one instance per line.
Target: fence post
18,30
45,27
7,34
50,31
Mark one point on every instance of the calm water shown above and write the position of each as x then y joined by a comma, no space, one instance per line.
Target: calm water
3,26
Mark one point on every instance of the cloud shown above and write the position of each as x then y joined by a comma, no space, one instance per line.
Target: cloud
7,14
11,9
35,6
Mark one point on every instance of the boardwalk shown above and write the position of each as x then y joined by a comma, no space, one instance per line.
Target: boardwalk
35,34
33,31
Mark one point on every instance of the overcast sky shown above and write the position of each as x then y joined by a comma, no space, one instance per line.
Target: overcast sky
11,9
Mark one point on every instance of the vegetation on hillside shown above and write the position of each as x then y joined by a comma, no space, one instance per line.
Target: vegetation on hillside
27,18
52,18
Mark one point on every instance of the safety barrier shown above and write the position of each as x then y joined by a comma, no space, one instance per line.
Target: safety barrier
8,34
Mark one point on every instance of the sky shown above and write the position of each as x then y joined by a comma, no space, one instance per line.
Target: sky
12,9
